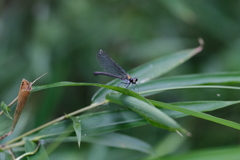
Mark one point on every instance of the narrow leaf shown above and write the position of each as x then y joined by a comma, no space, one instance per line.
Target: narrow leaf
110,121
155,86
124,118
58,140
77,129
120,141
65,84
198,106
8,156
31,147
112,140
28,153
5,109
153,115
197,114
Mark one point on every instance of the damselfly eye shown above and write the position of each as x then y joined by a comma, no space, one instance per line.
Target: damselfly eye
134,80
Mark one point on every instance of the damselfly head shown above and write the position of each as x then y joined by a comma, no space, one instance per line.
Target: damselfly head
133,80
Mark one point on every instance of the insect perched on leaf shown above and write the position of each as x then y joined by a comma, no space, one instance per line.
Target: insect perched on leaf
112,69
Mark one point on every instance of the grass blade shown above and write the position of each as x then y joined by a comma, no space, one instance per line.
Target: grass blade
197,114
122,119
198,106
36,153
153,115
151,87
120,141
77,128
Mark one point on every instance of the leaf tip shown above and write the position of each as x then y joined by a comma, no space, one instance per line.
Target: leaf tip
201,41
200,47
179,133
185,132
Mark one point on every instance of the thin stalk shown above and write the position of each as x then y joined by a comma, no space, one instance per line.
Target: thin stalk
55,121
20,143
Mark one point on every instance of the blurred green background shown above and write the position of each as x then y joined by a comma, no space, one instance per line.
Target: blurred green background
62,37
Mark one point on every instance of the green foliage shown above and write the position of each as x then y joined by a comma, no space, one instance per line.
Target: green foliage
62,37
77,128
34,151
144,108
5,110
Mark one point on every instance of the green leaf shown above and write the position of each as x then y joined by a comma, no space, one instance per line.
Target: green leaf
77,128
112,140
65,84
120,141
198,106
122,119
5,109
31,147
5,154
53,130
153,69
153,115
158,85
8,156
58,140
227,153
197,114
192,87
110,121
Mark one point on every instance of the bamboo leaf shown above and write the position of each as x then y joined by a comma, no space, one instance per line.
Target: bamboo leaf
197,114
124,118
8,156
110,121
153,115
198,106
65,84
117,140
159,85
35,153
120,141
77,128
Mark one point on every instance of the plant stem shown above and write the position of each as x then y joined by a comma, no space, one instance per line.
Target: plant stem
13,145
56,120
